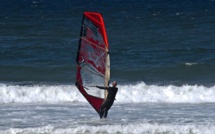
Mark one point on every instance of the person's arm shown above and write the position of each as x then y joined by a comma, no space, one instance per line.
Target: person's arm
100,87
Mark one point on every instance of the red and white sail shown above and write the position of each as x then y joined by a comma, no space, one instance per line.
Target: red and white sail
93,64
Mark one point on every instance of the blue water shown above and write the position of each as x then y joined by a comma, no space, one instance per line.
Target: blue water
151,41
162,55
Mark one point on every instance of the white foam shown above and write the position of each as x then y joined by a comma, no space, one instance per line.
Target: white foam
147,128
39,93
172,94
139,128
136,93
190,64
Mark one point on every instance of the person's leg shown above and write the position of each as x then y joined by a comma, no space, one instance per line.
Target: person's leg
107,108
106,113
101,113
103,109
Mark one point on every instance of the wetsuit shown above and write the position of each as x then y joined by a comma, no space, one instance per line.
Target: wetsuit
109,100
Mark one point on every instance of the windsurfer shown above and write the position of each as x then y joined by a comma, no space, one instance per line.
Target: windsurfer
110,99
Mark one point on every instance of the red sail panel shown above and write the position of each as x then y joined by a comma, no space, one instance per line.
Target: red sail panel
97,19
91,58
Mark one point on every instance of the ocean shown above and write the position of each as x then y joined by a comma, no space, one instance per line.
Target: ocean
162,54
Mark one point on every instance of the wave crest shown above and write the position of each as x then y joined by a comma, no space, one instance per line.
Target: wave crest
128,93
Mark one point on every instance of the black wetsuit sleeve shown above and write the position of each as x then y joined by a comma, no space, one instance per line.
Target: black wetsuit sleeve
105,88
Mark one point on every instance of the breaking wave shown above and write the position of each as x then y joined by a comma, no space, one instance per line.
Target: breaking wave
128,93
121,129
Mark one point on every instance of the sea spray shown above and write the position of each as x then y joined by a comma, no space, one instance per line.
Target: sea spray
128,93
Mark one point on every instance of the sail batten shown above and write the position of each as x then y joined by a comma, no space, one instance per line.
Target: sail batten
93,59
83,38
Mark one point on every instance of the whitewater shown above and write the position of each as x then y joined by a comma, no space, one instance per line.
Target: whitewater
139,108
128,93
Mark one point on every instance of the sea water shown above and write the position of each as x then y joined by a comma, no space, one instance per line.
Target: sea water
139,108
162,55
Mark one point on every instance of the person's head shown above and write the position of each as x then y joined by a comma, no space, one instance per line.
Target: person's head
114,84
